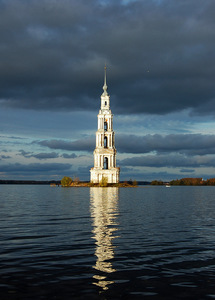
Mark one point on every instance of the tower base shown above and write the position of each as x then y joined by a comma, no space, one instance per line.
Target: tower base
112,175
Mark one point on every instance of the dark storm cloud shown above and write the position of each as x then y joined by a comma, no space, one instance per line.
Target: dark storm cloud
12,137
170,161
184,143
189,144
159,54
44,155
5,157
187,171
65,155
39,155
87,144
46,168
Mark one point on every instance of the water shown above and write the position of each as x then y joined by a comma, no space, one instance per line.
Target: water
107,243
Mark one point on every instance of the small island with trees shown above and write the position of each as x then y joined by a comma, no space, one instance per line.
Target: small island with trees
69,182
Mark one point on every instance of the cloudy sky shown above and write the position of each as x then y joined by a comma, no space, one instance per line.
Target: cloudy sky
161,78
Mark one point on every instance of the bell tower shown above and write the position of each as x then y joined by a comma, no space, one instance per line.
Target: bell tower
105,151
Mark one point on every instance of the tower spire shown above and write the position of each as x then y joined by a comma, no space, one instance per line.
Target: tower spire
105,81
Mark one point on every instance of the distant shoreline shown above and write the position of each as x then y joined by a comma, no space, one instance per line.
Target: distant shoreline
51,182
44,182
121,184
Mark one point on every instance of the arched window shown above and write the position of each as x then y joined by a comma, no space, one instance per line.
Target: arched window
105,103
105,125
105,163
105,141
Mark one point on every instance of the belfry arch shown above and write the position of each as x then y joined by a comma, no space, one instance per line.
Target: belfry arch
105,126
105,142
106,163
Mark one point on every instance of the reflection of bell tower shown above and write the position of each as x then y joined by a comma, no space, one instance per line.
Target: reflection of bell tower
104,212
105,151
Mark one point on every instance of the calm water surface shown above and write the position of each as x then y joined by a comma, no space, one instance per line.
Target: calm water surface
107,243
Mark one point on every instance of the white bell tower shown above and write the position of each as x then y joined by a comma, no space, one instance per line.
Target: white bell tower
105,151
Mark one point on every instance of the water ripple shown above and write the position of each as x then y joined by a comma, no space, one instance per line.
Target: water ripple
107,243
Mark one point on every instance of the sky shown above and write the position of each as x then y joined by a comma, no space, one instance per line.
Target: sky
160,75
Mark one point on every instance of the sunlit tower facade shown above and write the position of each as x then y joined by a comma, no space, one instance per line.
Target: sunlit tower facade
105,151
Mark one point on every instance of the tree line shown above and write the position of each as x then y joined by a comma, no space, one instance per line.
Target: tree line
187,181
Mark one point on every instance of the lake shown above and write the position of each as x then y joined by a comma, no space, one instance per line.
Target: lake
107,243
